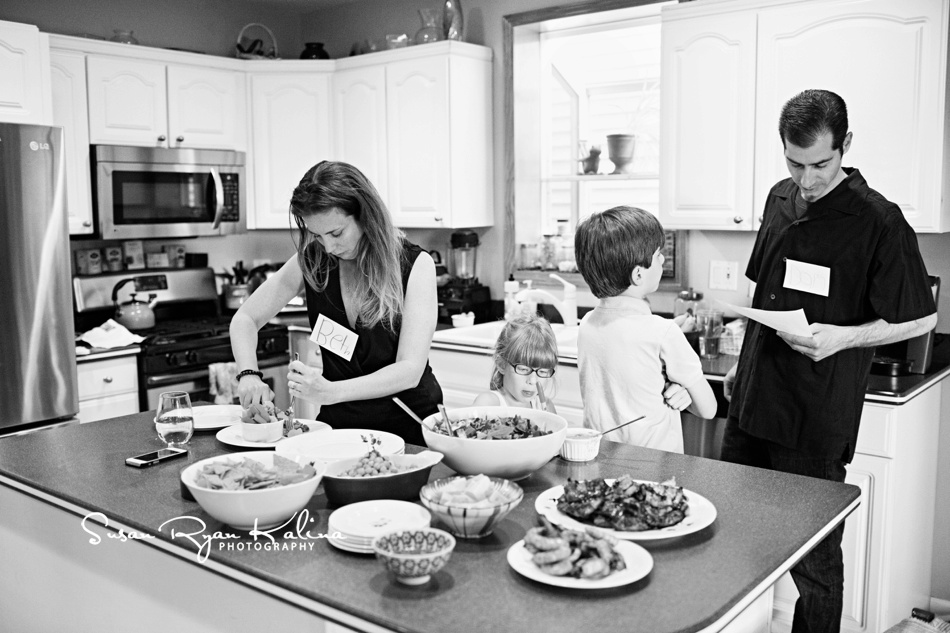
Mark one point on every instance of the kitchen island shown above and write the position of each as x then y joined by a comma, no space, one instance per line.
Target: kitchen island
83,547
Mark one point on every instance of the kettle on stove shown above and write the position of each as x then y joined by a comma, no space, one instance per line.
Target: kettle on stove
134,314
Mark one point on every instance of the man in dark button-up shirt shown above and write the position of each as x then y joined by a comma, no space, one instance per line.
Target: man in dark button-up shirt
836,248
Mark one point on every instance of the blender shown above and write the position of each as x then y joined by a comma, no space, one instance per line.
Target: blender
463,256
463,293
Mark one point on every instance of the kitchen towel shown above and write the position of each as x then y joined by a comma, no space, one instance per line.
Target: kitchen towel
222,379
109,335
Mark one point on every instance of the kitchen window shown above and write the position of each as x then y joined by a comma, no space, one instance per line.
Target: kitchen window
575,80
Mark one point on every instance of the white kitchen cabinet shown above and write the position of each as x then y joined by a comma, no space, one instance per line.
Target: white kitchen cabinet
24,75
706,158
68,82
420,120
886,59
155,104
107,388
290,120
888,540
359,122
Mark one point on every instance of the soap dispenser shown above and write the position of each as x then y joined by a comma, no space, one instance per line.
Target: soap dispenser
511,304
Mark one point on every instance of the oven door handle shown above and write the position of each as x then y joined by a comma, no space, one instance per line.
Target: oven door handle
167,379
218,197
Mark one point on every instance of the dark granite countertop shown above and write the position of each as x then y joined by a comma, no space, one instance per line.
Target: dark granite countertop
763,519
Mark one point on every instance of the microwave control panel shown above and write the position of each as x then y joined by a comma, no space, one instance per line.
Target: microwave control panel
232,201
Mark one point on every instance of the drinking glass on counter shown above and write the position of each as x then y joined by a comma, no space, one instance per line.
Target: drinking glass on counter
174,419
710,331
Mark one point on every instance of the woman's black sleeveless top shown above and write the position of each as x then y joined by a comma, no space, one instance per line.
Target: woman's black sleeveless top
376,348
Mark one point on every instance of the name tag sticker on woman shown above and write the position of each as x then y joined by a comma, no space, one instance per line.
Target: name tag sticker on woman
807,277
334,337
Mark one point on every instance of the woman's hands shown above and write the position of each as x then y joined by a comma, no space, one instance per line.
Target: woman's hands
253,390
308,383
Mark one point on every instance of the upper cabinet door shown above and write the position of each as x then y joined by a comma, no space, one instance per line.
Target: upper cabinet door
127,102
24,75
205,108
359,123
290,118
417,116
68,80
706,158
888,61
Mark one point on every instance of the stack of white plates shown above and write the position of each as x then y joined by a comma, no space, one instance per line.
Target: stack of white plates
354,527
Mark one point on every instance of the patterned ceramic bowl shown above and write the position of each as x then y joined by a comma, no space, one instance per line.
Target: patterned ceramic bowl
466,521
412,556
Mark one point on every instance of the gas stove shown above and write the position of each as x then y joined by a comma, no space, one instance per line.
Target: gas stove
190,334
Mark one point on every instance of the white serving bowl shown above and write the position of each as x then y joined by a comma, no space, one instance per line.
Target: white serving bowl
267,432
507,459
246,509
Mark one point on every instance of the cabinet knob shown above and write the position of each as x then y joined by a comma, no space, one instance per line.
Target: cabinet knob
107,379
87,223
438,219
161,137
180,139
761,219
738,219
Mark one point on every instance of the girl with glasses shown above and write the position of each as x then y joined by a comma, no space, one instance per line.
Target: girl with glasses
525,362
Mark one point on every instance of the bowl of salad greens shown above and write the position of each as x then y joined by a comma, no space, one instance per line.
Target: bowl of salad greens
506,442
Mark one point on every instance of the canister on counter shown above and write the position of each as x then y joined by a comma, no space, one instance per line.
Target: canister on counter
176,255
134,254
89,261
156,260
113,258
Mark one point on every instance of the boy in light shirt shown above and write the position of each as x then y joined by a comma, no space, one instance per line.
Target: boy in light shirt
625,353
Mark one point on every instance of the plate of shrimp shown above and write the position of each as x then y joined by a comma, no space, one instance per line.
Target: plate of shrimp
578,559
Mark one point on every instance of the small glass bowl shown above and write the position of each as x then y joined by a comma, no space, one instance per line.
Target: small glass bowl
580,445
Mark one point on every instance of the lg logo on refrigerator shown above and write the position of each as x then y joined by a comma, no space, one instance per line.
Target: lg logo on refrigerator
38,146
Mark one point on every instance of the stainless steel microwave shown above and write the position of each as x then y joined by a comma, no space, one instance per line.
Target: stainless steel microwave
143,192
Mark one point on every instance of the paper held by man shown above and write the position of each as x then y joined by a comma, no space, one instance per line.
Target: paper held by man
791,321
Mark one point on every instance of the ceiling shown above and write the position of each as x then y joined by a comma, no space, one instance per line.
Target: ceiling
310,5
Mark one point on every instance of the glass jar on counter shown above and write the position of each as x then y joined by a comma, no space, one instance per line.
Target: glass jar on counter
548,252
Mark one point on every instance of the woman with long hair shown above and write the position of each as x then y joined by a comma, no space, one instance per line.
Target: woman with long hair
371,301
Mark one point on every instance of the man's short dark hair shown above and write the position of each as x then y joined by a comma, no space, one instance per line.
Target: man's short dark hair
811,113
610,244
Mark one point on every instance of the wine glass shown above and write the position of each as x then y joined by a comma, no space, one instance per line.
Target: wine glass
174,419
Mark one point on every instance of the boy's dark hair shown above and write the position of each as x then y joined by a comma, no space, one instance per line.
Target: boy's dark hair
610,244
811,113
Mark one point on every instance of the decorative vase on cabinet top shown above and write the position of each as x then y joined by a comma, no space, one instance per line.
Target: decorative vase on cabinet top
452,22
430,31
123,37
314,50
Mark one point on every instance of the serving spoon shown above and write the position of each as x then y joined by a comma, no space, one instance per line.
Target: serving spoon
620,426
412,414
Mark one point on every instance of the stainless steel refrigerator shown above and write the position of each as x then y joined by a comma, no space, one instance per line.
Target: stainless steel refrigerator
38,381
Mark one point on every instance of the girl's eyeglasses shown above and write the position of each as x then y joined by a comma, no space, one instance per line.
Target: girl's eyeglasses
524,370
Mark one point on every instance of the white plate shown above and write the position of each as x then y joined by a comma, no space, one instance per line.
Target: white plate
231,435
638,561
347,547
699,514
216,416
339,444
369,519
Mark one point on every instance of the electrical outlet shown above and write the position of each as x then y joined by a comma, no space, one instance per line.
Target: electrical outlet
723,275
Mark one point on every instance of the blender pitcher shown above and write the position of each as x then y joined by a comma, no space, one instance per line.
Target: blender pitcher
463,256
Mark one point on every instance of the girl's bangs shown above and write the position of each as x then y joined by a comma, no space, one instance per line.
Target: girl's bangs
532,348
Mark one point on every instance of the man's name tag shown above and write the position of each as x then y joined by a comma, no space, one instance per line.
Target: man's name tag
334,337
807,277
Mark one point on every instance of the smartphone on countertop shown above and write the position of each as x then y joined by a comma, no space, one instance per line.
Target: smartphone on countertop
150,459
